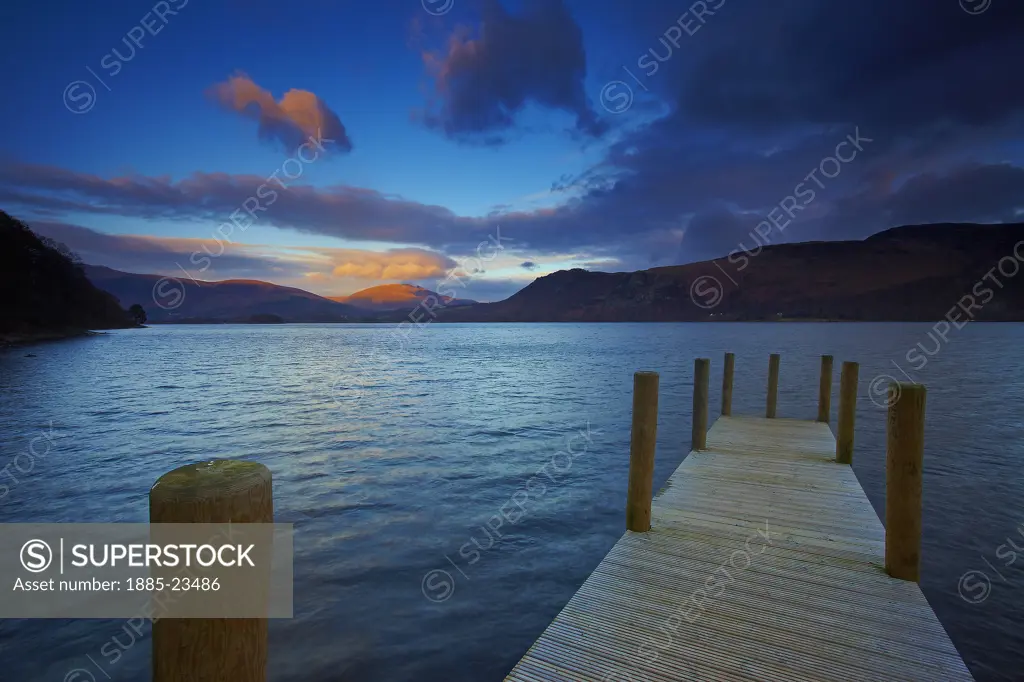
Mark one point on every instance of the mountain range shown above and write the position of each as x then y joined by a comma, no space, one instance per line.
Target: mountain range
912,273
184,300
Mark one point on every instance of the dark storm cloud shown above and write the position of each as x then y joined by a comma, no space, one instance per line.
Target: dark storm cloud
482,83
984,193
969,193
715,232
893,66
764,91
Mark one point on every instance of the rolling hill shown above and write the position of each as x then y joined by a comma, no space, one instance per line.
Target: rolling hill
392,297
912,273
185,300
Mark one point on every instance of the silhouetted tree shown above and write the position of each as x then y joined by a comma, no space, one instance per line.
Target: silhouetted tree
137,313
43,286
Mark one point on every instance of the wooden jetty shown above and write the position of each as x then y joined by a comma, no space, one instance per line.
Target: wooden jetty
761,558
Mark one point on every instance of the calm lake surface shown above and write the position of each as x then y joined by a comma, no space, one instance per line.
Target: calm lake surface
388,476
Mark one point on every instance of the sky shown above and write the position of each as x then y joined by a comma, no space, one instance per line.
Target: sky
334,146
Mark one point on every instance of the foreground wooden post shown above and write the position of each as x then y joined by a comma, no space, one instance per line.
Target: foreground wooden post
212,649
773,385
701,379
727,372
847,412
641,451
904,459
825,389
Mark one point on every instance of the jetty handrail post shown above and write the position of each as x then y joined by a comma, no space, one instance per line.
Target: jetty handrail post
847,412
727,371
825,390
773,385
642,440
218,491
904,460
701,380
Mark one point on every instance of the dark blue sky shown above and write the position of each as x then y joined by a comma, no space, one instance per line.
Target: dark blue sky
608,135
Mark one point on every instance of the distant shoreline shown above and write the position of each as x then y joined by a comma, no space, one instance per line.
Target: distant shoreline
12,339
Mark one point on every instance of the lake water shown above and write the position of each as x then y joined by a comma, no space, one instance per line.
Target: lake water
388,477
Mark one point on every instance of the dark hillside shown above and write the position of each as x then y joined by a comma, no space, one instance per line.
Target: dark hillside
44,291
912,273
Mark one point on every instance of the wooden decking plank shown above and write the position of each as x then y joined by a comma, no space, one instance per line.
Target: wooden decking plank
779,582
693,511
809,621
719,625
816,605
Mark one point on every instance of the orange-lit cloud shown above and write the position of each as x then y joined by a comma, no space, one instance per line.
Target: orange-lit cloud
393,265
298,117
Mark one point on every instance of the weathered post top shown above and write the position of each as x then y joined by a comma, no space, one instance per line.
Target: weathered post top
205,650
214,491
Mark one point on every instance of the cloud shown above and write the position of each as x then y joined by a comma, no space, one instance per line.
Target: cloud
894,67
930,85
635,220
299,116
748,107
715,232
393,265
326,271
483,83
213,260
477,288
174,255
993,193
342,211
528,265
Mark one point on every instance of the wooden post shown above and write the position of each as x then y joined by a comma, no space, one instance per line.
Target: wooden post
701,379
641,451
847,412
825,389
211,649
904,459
727,372
773,385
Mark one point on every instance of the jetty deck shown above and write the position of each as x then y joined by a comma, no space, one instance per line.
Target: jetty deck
764,561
